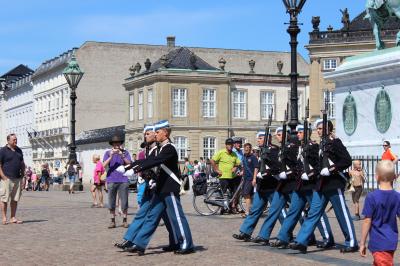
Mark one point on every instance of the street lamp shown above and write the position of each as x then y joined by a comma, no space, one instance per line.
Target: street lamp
73,74
293,7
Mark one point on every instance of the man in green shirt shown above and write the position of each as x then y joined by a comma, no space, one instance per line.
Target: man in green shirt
225,162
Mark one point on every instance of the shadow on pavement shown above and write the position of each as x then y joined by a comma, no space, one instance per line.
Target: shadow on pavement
35,221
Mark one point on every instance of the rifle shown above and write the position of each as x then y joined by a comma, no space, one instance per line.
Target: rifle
283,143
265,147
306,139
325,136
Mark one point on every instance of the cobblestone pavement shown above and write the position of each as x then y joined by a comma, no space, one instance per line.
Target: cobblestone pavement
62,229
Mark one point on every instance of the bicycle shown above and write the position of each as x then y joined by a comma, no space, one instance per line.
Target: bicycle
214,200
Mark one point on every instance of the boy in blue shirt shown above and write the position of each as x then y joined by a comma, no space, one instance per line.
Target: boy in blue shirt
380,210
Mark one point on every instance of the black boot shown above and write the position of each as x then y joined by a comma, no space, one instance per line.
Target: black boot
326,245
123,244
135,249
260,240
280,244
242,236
349,249
299,247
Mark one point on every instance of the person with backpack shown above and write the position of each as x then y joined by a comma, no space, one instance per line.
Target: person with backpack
44,179
72,171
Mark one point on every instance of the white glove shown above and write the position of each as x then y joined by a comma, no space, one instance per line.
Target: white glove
325,172
152,184
121,169
129,173
304,176
282,175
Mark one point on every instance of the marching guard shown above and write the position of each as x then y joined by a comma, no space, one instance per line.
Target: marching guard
266,184
308,157
334,159
166,196
149,177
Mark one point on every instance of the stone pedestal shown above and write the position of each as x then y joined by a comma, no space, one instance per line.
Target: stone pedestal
367,101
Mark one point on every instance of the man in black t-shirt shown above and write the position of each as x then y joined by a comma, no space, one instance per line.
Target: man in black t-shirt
12,169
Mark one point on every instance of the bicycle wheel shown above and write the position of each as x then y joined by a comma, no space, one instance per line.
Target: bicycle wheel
242,206
206,209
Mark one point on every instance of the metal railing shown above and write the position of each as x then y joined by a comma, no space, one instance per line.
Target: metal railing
369,164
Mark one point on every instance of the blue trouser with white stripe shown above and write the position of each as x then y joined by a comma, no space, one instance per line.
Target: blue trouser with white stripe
260,201
317,209
278,203
298,202
169,203
140,218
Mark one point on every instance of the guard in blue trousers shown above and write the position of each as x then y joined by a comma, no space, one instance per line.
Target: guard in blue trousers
289,168
148,176
308,157
334,160
266,184
166,197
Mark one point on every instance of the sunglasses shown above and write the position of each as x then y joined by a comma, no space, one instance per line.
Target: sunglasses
385,145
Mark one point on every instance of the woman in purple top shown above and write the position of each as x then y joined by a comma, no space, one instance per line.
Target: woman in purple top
117,183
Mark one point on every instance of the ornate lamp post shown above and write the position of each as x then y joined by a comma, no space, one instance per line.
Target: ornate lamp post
73,74
293,7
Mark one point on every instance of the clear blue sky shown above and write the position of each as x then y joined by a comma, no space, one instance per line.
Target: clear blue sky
32,31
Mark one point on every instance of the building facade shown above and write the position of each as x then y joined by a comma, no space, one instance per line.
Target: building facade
205,104
329,48
16,109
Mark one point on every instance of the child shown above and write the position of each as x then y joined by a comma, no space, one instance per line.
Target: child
357,181
380,210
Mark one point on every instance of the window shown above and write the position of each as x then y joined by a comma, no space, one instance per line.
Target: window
208,147
140,105
131,101
331,103
267,104
239,104
150,103
208,103
330,64
181,147
179,102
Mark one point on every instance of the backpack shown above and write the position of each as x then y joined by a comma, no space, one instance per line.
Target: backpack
71,170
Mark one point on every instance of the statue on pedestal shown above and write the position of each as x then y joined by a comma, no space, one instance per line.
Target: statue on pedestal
378,12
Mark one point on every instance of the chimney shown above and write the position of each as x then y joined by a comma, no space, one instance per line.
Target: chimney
171,41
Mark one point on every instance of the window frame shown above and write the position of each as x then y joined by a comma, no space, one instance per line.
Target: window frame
208,149
208,105
131,112
267,104
150,91
327,64
140,105
239,103
181,149
180,102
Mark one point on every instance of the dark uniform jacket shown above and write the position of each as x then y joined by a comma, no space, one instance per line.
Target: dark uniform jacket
271,159
291,166
310,156
341,159
168,156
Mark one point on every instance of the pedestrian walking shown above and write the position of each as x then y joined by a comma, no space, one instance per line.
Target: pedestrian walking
250,170
72,172
44,178
97,187
381,208
12,171
28,175
357,175
117,183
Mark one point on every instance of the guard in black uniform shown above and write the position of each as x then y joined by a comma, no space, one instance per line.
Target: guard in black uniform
149,176
330,188
166,197
308,157
266,184
289,171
